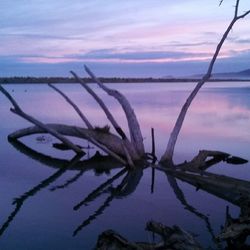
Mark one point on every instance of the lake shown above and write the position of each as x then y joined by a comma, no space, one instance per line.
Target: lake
49,212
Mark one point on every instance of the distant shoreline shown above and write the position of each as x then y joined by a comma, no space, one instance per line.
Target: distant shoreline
46,80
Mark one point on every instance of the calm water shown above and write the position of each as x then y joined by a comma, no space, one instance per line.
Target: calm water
44,217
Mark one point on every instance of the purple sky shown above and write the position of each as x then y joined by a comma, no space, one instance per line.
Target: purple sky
120,38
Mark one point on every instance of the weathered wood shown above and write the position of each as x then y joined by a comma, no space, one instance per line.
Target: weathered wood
101,104
117,127
227,188
108,142
167,157
133,124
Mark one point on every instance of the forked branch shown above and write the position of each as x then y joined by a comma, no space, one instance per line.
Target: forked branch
133,124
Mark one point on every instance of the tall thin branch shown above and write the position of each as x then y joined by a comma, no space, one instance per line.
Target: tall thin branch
78,111
102,105
167,157
133,124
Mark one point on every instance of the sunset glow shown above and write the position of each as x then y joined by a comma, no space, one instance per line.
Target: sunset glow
65,35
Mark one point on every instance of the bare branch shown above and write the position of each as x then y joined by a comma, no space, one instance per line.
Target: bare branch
109,143
133,124
221,1
78,111
17,110
236,8
102,105
167,157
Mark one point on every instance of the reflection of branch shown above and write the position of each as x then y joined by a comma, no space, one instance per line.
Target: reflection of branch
98,161
181,197
127,186
18,202
92,217
69,181
129,183
99,190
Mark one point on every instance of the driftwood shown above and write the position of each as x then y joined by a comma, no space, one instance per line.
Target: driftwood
173,238
133,124
127,151
109,143
123,150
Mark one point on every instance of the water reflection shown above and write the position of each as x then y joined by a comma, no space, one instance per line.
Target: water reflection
218,119
129,179
126,187
18,202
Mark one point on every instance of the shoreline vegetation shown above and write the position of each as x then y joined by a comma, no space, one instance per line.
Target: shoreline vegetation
46,80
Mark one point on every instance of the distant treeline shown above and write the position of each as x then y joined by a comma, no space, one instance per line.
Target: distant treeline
5,80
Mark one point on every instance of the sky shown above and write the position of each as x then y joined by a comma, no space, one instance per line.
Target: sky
121,38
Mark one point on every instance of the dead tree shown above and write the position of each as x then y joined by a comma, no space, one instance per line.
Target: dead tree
128,150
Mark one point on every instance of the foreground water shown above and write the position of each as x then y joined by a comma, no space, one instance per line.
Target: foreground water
46,215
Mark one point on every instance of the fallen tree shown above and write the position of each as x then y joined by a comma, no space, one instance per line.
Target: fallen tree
129,150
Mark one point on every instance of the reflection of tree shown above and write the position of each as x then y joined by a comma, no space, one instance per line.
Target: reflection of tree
181,197
125,188
98,163
18,202
194,172
230,189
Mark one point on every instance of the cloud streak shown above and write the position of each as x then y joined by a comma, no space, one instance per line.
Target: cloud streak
132,32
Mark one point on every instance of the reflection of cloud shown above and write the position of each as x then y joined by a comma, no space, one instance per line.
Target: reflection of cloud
219,114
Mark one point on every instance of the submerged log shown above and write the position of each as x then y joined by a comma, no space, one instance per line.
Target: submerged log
228,188
111,142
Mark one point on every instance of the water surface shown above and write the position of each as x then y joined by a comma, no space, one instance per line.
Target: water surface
219,119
